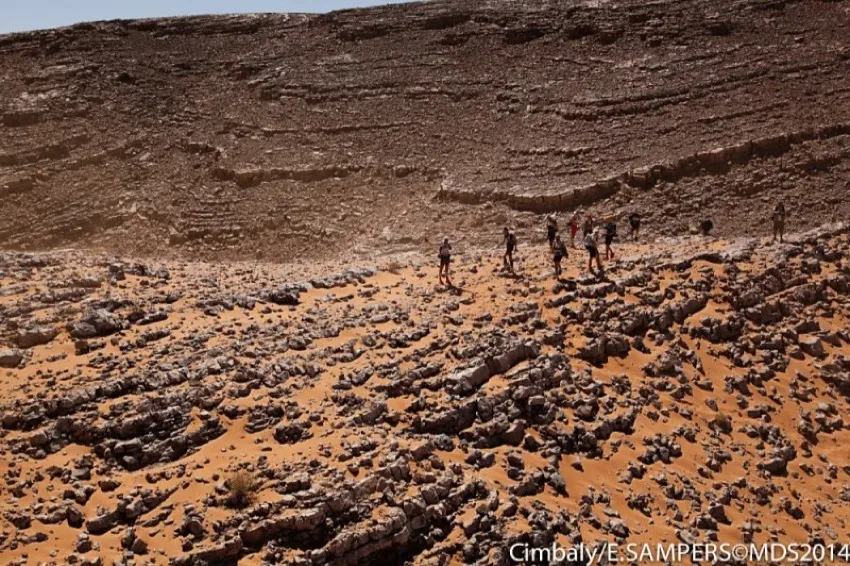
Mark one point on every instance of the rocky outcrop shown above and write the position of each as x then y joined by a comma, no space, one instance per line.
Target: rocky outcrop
648,176
11,358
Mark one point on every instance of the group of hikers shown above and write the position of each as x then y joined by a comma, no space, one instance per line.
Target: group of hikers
592,232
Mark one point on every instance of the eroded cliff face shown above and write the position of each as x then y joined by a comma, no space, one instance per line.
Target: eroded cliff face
291,136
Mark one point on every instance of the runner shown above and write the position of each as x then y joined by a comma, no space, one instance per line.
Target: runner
573,229
510,248
610,232
445,259
634,223
551,229
559,252
779,222
593,251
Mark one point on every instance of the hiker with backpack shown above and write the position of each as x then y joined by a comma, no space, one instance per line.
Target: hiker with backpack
587,226
610,233
634,223
510,248
445,256
559,252
779,216
551,229
593,251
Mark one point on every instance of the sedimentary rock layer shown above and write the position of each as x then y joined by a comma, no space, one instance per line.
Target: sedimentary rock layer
284,136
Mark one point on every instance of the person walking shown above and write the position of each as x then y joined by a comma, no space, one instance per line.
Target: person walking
559,252
610,233
573,229
587,226
779,216
510,248
593,251
634,223
445,256
551,229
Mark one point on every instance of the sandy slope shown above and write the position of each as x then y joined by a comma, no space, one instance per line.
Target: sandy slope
591,411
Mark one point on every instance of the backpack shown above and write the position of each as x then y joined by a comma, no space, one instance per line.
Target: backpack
560,251
512,240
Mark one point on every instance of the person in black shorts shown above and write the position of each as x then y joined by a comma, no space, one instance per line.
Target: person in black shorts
551,230
592,251
559,252
510,248
634,223
610,233
445,256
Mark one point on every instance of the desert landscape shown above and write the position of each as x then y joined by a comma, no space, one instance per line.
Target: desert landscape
222,335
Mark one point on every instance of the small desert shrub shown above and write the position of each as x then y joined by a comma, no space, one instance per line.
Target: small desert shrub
722,423
394,266
242,489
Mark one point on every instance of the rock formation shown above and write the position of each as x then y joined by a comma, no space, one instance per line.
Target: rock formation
292,136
